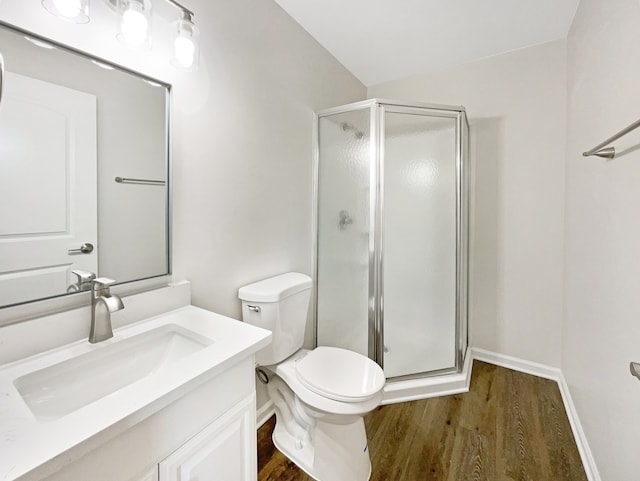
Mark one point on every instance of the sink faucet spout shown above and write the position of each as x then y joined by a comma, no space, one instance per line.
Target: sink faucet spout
112,302
103,303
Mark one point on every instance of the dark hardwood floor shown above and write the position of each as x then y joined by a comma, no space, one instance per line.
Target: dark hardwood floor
510,426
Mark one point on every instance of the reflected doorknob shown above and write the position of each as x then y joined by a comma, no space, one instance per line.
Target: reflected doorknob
86,248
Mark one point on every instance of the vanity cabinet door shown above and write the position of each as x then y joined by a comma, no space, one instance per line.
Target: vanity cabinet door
224,451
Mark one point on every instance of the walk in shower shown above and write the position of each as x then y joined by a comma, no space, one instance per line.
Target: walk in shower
391,235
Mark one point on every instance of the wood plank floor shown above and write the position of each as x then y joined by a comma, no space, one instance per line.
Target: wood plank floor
510,426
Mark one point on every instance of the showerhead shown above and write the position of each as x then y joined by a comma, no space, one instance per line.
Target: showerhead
347,127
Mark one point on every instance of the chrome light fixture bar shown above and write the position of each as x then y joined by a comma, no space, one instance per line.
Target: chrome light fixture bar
135,26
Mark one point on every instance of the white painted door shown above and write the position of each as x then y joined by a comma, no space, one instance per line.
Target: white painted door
48,199
223,451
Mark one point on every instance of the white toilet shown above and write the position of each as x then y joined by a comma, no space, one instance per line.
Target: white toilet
320,396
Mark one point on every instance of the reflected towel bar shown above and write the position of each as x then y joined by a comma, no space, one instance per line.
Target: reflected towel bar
125,180
610,152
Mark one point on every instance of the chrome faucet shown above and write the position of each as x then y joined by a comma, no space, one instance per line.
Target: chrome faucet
103,303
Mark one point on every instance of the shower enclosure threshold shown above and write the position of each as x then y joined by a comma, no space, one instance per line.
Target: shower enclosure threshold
431,386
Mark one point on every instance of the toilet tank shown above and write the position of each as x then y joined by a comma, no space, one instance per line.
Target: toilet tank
279,304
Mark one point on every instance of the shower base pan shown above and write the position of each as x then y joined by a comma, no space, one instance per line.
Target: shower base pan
401,390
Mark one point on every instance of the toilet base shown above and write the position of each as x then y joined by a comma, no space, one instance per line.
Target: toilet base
338,452
325,451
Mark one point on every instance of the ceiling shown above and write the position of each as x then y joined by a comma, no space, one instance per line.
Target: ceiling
382,40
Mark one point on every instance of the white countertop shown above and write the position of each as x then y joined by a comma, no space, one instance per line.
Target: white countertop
26,443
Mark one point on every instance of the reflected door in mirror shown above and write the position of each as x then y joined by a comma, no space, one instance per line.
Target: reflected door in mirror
47,187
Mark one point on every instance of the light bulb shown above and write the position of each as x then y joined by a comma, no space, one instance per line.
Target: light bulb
134,27
135,23
68,8
185,45
184,51
76,11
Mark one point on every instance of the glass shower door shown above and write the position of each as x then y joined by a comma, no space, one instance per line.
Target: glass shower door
419,240
343,238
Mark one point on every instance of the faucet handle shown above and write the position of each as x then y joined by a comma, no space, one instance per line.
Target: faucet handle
101,283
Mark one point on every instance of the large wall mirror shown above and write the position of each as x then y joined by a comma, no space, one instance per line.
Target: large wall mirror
84,171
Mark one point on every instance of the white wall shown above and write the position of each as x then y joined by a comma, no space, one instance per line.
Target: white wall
602,325
515,104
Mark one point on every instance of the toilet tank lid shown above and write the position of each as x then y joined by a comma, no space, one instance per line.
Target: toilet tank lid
276,288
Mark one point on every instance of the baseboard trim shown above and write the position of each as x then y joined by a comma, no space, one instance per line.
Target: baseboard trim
264,412
554,374
588,461
517,364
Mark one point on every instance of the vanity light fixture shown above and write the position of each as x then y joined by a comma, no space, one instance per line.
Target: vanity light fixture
75,11
135,26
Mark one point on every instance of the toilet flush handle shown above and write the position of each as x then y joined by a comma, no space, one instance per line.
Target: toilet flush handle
253,308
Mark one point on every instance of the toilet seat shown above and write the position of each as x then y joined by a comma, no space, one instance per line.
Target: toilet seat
340,375
287,371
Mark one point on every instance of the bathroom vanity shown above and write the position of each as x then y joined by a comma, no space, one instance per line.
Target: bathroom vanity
170,397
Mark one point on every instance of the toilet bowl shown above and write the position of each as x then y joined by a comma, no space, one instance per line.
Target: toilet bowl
320,396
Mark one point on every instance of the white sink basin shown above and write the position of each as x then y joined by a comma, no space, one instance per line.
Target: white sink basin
62,388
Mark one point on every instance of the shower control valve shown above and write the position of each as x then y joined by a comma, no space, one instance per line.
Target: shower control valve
344,219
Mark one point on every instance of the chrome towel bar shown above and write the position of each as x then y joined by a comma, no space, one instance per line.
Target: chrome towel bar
601,150
125,180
